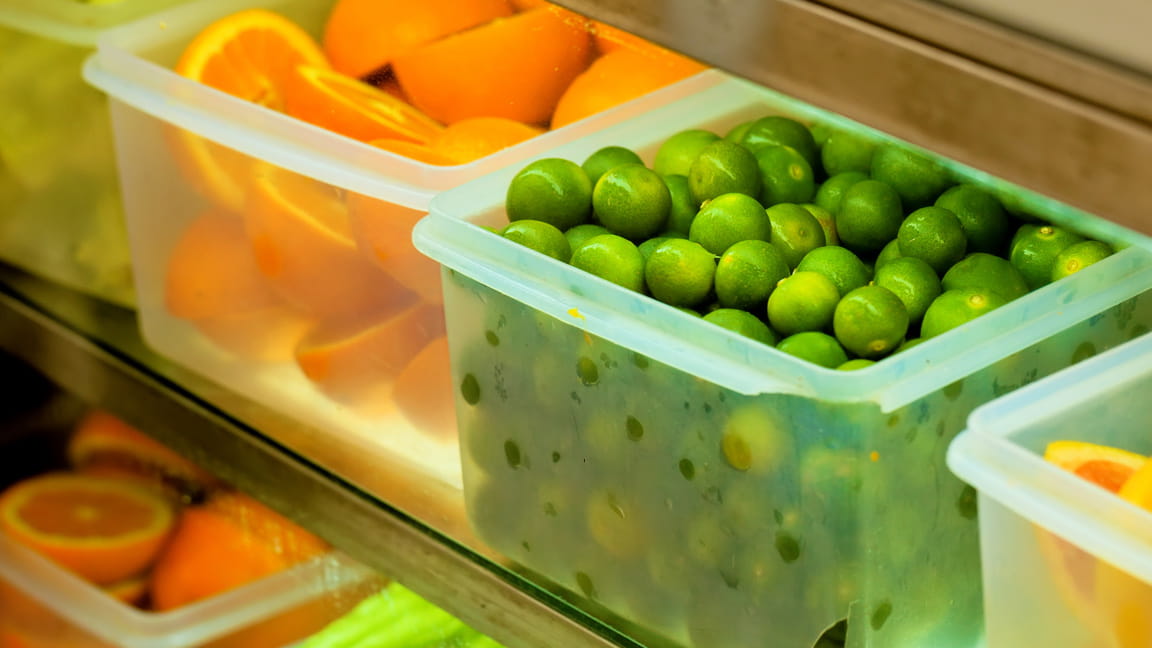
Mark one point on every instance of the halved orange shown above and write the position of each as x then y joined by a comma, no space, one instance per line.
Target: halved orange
424,392
341,104
515,67
476,137
104,530
1102,465
384,232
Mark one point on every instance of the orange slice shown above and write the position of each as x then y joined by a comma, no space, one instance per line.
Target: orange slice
1102,465
424,392
344,105
476,137
104,530
384,232
413,150
515,67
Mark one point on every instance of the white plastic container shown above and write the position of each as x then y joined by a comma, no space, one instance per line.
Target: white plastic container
1066,563
341,322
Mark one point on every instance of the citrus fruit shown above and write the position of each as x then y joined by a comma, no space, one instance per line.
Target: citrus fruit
804,301
737,132
816,347
844,151
742,322
470,139
795,231
869,216
870,321
609,38
933,234
632,201
619,76
682,210
675,155
362,36
747,273
988,272
680,272
1034,250
577,235
908,344
553,190
423,391
326,98
917,179
607,159
889,252
515,67
985,223
383,233
785,176
839,264
413,151
540,236
1122,600
728,219
1102,465
103,530
855,364
956,307
723,167
132,591
1078,256
228,541
831,192
649,246
913,281
779,130
613,258
103,443
827,222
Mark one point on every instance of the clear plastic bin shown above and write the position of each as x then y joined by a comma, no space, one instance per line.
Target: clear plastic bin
62,216
591,421
1067,564
343,332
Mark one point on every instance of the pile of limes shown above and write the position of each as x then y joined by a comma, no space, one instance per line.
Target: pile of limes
831,246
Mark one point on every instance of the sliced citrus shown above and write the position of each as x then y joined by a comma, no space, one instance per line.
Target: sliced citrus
217,172
1102,465
476,137
515,67
424,393
341,104
362,36
384,231
413,150
104,530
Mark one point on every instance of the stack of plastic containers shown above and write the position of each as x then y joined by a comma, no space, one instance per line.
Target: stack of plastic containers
1066,562
592,418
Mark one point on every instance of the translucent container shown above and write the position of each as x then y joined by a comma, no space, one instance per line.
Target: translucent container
338,324
592,420
1067,564
62,216
45,606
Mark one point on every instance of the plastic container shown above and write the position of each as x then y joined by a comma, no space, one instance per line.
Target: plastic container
345,331
1066,563
592,421
63,218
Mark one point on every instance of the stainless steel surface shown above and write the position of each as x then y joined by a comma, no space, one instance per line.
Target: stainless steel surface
1082,153
412,531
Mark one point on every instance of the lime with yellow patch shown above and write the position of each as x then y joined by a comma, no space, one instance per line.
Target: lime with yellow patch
795,231
785,176
870,321
1034,250
1078,256
986,272
955,308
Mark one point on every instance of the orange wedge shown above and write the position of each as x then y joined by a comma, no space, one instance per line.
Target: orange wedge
413,150
384,232
104,530
344,105
476,137
423,391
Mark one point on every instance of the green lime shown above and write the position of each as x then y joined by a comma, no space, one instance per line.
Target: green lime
841,265
744,323
845,151
804,301
890,251
577,235
1034,250
779,130
908,344
683,210
955,307
649,246
613,258
917,179
1078,256
680,272
728,219
985,222
632,201
737,132
553,190
831,192
676,154
815,347
869,216
933,234
747,273
795,231
540,236
606,159
785,176
827,222
820,133
856,363
913,281
723,167
870,321
986,272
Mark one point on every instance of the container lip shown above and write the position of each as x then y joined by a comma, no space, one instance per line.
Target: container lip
1097,521
72,22
88,607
